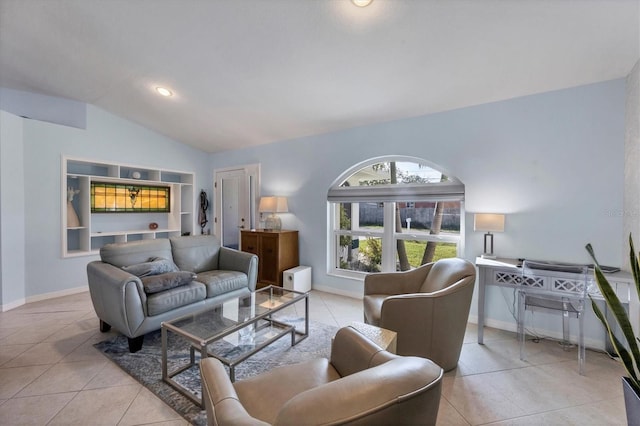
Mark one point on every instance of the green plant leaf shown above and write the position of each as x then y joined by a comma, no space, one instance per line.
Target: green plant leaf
620,349
631,358
619,313
635,266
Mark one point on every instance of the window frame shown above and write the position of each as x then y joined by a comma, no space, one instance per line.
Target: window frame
452,190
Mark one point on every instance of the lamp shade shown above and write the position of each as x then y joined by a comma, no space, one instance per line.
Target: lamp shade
273,205
489,222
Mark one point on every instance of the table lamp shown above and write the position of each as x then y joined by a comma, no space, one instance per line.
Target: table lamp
489,222
273,205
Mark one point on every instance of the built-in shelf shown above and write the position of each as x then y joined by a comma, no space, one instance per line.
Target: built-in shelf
97,229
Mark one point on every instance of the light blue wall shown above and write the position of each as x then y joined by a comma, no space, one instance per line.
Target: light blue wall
107,138
552,162
12,221
45,108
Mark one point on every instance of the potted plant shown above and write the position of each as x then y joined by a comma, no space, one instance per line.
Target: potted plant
627,351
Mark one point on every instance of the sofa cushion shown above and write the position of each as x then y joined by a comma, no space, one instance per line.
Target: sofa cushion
124,254
161,282
168,300
196,253
154,266
220,282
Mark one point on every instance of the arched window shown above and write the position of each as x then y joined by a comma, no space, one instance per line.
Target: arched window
393,213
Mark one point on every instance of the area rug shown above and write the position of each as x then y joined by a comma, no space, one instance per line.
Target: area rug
146,365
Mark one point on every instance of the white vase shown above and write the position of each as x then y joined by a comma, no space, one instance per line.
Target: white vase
72,217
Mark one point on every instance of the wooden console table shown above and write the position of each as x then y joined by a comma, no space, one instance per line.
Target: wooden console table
507,273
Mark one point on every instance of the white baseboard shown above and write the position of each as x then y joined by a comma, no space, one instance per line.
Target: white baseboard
500,325
44,296
589,343
8,306
54,294
333,290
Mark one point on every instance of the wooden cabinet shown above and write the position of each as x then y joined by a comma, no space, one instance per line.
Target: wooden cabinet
277,251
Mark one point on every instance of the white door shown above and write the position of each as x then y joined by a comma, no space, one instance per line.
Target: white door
235,203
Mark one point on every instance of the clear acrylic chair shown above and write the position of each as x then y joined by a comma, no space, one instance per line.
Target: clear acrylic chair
554,287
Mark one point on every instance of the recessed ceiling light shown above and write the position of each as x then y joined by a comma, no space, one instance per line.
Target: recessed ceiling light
164,91
362,3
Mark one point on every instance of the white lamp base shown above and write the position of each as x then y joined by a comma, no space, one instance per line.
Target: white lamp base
488,256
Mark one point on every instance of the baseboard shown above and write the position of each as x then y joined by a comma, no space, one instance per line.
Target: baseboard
54,294
333,290
589,343
500,325
8,306
44,296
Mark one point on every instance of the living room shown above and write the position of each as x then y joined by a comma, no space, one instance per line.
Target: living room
559,163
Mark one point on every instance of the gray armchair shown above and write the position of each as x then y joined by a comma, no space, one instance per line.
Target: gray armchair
361,384
428,307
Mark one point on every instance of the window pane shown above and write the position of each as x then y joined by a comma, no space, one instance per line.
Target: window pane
434,251
345,216
358,253
394,172
418,217
361,216
371,216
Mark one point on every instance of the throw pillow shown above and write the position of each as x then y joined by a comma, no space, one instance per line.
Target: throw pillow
161,282
154,266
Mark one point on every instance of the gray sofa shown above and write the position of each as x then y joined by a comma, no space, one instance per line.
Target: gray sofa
137,285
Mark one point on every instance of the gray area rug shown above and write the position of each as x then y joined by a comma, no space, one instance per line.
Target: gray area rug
146,365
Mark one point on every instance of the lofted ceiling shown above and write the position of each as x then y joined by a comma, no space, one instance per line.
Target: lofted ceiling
250,72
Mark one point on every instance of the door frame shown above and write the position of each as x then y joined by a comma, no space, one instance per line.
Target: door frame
251,173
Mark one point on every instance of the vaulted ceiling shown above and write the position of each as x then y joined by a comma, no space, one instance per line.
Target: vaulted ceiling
249,72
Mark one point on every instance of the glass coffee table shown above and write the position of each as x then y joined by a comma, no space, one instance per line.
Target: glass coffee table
233,331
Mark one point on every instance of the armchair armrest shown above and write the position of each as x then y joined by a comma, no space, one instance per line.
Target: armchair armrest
118,297
396,282
220,398
236,260
352,352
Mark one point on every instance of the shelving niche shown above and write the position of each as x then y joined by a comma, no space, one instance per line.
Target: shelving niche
98,229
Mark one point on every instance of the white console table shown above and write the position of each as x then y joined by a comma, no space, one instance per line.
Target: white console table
507,273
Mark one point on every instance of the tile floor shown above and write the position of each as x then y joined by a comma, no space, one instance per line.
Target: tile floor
50,374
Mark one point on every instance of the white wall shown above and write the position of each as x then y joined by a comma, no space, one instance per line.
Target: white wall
631,211
12,222
107,138
552,162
